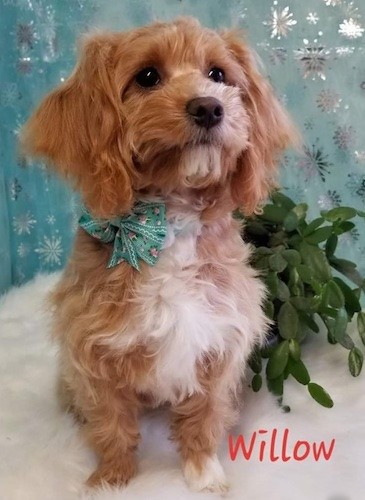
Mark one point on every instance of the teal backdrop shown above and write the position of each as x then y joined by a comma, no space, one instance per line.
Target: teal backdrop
312,51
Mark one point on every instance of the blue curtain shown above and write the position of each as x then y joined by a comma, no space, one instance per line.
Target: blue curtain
312,51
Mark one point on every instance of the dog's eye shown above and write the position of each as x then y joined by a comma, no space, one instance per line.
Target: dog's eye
217,75
148,77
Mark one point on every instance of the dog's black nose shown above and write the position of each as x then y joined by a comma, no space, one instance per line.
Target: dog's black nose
206,111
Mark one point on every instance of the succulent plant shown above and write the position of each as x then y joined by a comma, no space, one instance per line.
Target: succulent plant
311,290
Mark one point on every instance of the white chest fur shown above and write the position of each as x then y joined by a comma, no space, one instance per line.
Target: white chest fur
176,319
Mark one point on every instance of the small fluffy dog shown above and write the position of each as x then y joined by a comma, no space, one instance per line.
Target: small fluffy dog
164,130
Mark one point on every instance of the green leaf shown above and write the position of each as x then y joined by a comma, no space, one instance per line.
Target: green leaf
341,323
315,259
361,325
321,234
269,309
352,303
294,349
283,291
299,371
276,385
356,360
331,245
339,213
255,362
301,210
295,240
305,273
360,213
303,331
272,283
278,239
288,321
263,251
256,382
320,395
291,221
316,286
315,302
267,351
343,227
278,360
348,269
292,257
347,342
301,303
308,320
312,226
295,283
277,262
273,213
282,201
332,295
330,327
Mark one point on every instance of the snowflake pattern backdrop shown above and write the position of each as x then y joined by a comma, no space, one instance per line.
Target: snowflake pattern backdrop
313,52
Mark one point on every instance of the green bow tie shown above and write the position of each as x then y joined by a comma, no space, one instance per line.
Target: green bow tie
139,235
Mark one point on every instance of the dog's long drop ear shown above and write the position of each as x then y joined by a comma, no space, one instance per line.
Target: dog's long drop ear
78,128
271,132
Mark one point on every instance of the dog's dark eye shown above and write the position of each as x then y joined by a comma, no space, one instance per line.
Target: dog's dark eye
217,75
148,77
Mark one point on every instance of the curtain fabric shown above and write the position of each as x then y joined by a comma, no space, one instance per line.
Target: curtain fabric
313,52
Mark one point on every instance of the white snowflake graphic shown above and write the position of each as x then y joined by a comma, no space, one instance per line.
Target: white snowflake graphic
313,61
329,200
351,10
359,156
50,250
9,94
344,51
51,219
333,3
23,250
238,13
351,29
312,18
24,65
280,23
23,224
328,101
15,189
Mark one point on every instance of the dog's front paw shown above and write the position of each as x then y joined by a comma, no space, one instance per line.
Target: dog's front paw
209,476
116,473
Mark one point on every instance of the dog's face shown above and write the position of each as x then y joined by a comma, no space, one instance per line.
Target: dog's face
171,106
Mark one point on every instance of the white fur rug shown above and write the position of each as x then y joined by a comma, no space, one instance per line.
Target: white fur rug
42,456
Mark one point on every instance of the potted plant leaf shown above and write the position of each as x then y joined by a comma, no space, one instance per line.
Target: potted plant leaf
310,289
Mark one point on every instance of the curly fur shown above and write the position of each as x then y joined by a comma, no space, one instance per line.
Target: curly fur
179,332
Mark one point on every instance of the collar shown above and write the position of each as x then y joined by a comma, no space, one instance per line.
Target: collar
136,236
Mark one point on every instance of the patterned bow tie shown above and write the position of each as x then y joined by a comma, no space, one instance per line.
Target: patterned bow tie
136,236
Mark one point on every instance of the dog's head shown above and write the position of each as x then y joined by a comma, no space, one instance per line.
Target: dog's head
162,108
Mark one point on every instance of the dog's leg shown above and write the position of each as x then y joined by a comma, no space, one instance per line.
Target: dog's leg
198,425
112,430
66,399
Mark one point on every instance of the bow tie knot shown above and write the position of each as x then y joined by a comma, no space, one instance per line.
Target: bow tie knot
136,236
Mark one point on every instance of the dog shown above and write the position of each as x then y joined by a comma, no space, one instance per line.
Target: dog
165,131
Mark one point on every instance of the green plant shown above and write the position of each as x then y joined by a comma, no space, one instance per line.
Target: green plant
297,261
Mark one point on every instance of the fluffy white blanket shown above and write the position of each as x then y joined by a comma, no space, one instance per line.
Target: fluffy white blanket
43,457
